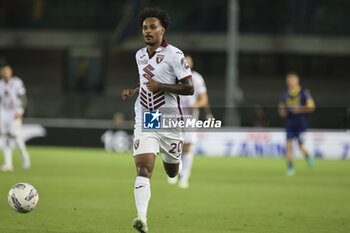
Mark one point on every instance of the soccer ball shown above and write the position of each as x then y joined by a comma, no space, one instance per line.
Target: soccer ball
23,197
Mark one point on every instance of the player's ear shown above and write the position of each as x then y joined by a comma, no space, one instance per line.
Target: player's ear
163,31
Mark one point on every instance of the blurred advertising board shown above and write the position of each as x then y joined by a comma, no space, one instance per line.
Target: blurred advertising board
271,143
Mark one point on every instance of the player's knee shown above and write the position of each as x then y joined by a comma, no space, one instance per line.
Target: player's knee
144,170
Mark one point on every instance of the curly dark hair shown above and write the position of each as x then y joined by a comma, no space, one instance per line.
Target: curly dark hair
158,13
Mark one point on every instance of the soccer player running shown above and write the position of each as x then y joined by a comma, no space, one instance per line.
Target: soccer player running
191,105
295,103
163,75
12,104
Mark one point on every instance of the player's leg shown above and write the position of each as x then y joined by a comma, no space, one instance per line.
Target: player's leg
142,189
17,135
291,129
7,150
146,146
309,159
26,163
171,150
187,160
7,142
172,169
172,180
144,165
289,157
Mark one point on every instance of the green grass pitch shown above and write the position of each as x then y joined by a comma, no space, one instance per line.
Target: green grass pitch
91,191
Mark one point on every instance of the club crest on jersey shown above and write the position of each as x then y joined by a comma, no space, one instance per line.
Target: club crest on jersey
159,58
136,144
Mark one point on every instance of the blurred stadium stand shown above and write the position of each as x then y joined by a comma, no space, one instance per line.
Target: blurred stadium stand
311,37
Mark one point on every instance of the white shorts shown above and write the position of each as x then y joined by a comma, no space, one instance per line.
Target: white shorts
170,145
190,137
10,125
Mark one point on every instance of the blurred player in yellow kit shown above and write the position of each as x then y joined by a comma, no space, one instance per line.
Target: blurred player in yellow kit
295,103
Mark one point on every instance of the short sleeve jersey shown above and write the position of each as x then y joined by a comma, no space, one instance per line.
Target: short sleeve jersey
166,65
10,93
296,98
187,101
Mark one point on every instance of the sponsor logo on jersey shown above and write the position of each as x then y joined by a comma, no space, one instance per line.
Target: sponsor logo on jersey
159,58
142,62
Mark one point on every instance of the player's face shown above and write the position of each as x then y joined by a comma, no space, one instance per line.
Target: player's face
292,80
6,72
152,31
189,61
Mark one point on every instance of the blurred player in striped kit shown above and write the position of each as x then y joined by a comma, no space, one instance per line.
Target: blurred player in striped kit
295,103
191,105
12,104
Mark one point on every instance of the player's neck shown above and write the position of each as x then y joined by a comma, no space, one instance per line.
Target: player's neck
152,48
7,80
295,90
296,87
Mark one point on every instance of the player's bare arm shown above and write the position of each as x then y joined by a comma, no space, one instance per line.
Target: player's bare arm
20,111
282,111
183,88
304,109
19,114
308,108
202,101
127,93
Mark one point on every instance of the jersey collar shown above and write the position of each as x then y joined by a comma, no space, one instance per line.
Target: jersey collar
294,91
162,46
164,43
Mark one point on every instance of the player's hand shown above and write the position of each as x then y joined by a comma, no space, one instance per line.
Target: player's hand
283,113
127,93
296,110
152,85
18,115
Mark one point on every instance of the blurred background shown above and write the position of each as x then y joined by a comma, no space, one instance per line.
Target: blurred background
75,57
